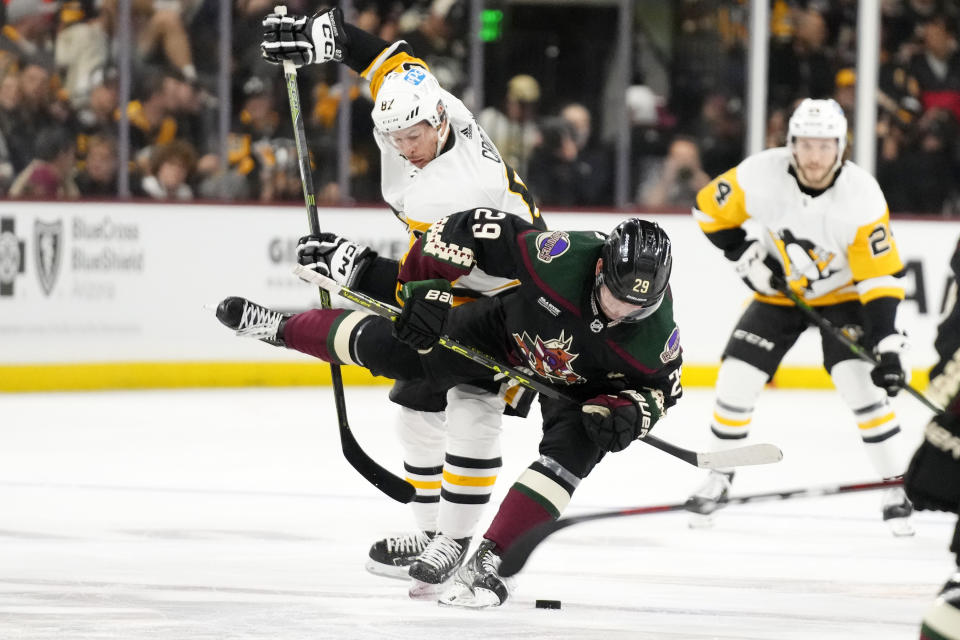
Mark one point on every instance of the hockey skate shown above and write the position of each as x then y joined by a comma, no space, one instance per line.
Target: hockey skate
251,320
392,556
437,564
896,512
712,495
940,621
478,584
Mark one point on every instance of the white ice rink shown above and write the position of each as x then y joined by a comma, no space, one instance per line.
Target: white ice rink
221,515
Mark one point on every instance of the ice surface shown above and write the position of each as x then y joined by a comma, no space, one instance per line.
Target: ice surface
231,514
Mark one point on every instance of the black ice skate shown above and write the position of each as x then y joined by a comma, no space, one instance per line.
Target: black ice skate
897,509
437,564
712,495
478,583
392,556
251,320
940,621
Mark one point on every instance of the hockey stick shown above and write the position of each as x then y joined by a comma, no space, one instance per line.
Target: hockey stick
519,552
854,346
740,456
394,486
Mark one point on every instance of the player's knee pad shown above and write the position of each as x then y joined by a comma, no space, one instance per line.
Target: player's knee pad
423,436
738,386
871,408
474,422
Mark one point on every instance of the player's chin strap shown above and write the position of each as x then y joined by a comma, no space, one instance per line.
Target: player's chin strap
854,346
736,457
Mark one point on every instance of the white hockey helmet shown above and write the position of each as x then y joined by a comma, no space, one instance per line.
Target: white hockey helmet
818,119
406,97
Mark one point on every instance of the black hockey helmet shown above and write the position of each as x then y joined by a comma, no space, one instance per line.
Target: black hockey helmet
636,263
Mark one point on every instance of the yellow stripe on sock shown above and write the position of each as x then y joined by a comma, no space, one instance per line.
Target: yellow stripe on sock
469,481
727,422
870,424
424,484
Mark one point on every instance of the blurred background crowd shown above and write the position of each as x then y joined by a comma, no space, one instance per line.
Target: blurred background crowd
546,101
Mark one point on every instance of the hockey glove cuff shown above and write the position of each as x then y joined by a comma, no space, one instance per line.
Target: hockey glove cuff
426,304
889,374
760,271
612,422
304,40
932,480
335,257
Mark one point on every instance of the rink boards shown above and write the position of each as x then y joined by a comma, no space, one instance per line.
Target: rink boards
113,295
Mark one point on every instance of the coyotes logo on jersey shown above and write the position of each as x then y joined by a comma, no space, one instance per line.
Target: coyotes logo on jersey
549,358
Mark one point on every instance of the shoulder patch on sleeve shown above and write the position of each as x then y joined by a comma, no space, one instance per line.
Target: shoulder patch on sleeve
552,244
672,347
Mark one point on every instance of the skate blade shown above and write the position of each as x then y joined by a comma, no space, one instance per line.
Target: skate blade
464,597
425,590
900,527
386,571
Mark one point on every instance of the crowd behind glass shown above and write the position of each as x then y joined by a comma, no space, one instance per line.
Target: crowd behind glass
59,105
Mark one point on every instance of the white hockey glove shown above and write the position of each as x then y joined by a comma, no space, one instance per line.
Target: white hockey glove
889,374
337,258
304,40
760,271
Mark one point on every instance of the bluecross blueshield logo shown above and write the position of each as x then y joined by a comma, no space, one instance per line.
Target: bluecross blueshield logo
11,256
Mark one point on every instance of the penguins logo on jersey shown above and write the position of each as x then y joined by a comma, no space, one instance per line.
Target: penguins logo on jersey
806,258
551,358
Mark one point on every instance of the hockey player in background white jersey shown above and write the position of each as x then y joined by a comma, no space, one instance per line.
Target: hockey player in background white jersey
435,159
821,225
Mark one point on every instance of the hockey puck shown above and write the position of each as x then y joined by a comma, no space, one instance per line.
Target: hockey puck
548,604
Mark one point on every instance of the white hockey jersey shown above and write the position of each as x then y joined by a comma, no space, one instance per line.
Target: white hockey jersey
835,247
469,173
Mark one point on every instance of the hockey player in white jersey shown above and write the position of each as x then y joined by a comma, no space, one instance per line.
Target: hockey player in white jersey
821,226
435,159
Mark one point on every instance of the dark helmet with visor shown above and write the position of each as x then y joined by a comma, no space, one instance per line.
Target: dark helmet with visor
636,265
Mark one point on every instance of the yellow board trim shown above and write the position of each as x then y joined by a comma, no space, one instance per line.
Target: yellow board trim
183,375
469,481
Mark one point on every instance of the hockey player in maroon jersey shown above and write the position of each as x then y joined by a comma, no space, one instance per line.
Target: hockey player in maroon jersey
592,315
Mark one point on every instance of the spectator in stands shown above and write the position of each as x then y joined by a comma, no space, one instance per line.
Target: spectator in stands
34,111
152,120
28,34
801,67
435,40
937,67
554,176
679,178
172,166
161,37
514,130
98,178
50,174
719,132
595,159
81,49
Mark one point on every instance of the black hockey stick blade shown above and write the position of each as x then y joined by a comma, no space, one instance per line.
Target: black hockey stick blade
390,484
516,556
741,456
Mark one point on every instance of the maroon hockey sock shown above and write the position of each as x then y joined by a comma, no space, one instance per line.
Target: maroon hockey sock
313,333
518,513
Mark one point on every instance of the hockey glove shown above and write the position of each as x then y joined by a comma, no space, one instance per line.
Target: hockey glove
889,374
933,477
612,422
304,40
337,258
760,271
425,308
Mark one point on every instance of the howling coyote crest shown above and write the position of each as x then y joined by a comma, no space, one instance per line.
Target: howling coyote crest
549,358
